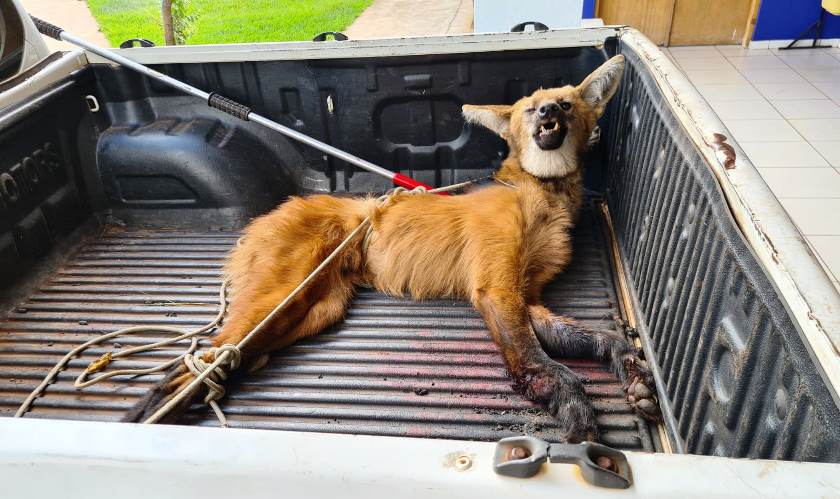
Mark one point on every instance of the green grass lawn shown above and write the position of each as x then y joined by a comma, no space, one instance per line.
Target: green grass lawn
228,21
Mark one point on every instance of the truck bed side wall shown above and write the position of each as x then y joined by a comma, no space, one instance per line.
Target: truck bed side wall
44,143
738,377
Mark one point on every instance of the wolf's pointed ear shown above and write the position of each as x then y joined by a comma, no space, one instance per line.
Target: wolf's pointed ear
599,87
496,118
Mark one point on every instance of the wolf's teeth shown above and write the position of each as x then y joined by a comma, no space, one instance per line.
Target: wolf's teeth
542,129
556,125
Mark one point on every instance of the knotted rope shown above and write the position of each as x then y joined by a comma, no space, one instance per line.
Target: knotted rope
215,389
227,357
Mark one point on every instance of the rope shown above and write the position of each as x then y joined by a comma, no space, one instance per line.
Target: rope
215,390
100,364
213,373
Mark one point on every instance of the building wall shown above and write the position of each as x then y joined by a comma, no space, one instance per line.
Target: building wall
588,9
777,19
786,19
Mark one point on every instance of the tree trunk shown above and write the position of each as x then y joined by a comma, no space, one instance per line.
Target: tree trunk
168,30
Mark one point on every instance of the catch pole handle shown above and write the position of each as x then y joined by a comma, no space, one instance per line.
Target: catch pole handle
47,29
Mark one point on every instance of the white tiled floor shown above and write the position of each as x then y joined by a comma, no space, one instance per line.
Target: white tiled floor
784,110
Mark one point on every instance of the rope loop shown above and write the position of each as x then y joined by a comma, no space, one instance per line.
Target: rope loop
197,365
227,358
387,199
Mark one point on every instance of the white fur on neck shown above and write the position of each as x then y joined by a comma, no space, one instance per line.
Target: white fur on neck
550,164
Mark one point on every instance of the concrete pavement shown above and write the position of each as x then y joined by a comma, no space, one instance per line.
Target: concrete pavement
394,18
72,15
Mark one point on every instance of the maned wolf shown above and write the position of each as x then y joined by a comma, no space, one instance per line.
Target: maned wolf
496,246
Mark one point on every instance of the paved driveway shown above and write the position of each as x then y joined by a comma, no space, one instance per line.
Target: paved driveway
72,15
394,18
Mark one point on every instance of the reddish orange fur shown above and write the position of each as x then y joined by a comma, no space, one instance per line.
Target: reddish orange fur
497,246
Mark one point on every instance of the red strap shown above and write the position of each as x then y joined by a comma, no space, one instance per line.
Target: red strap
410,183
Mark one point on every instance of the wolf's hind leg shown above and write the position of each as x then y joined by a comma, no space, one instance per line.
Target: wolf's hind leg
301,318
265,269
562,337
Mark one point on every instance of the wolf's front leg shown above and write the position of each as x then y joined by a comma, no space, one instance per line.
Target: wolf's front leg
562,337
541,379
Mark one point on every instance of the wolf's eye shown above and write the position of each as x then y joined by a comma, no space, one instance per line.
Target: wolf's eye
565,106
530,110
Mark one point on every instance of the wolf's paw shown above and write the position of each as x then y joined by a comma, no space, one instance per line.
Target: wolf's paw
641,389
561,393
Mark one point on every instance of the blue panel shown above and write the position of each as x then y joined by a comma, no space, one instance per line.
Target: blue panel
786,19
588,9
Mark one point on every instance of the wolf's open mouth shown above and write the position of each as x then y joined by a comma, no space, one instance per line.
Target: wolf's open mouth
551,126
550,135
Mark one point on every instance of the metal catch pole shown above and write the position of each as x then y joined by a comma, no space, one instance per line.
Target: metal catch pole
229,106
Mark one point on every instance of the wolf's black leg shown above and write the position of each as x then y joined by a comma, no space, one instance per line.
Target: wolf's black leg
562,337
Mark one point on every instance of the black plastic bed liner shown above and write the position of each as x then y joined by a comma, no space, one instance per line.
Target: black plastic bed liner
393,367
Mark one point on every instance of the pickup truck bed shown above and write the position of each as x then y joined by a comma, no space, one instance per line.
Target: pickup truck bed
392,367
119,198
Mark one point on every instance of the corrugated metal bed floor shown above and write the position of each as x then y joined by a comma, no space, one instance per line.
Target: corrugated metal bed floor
393,367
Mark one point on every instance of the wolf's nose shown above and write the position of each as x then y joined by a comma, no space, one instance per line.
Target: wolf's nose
548,110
